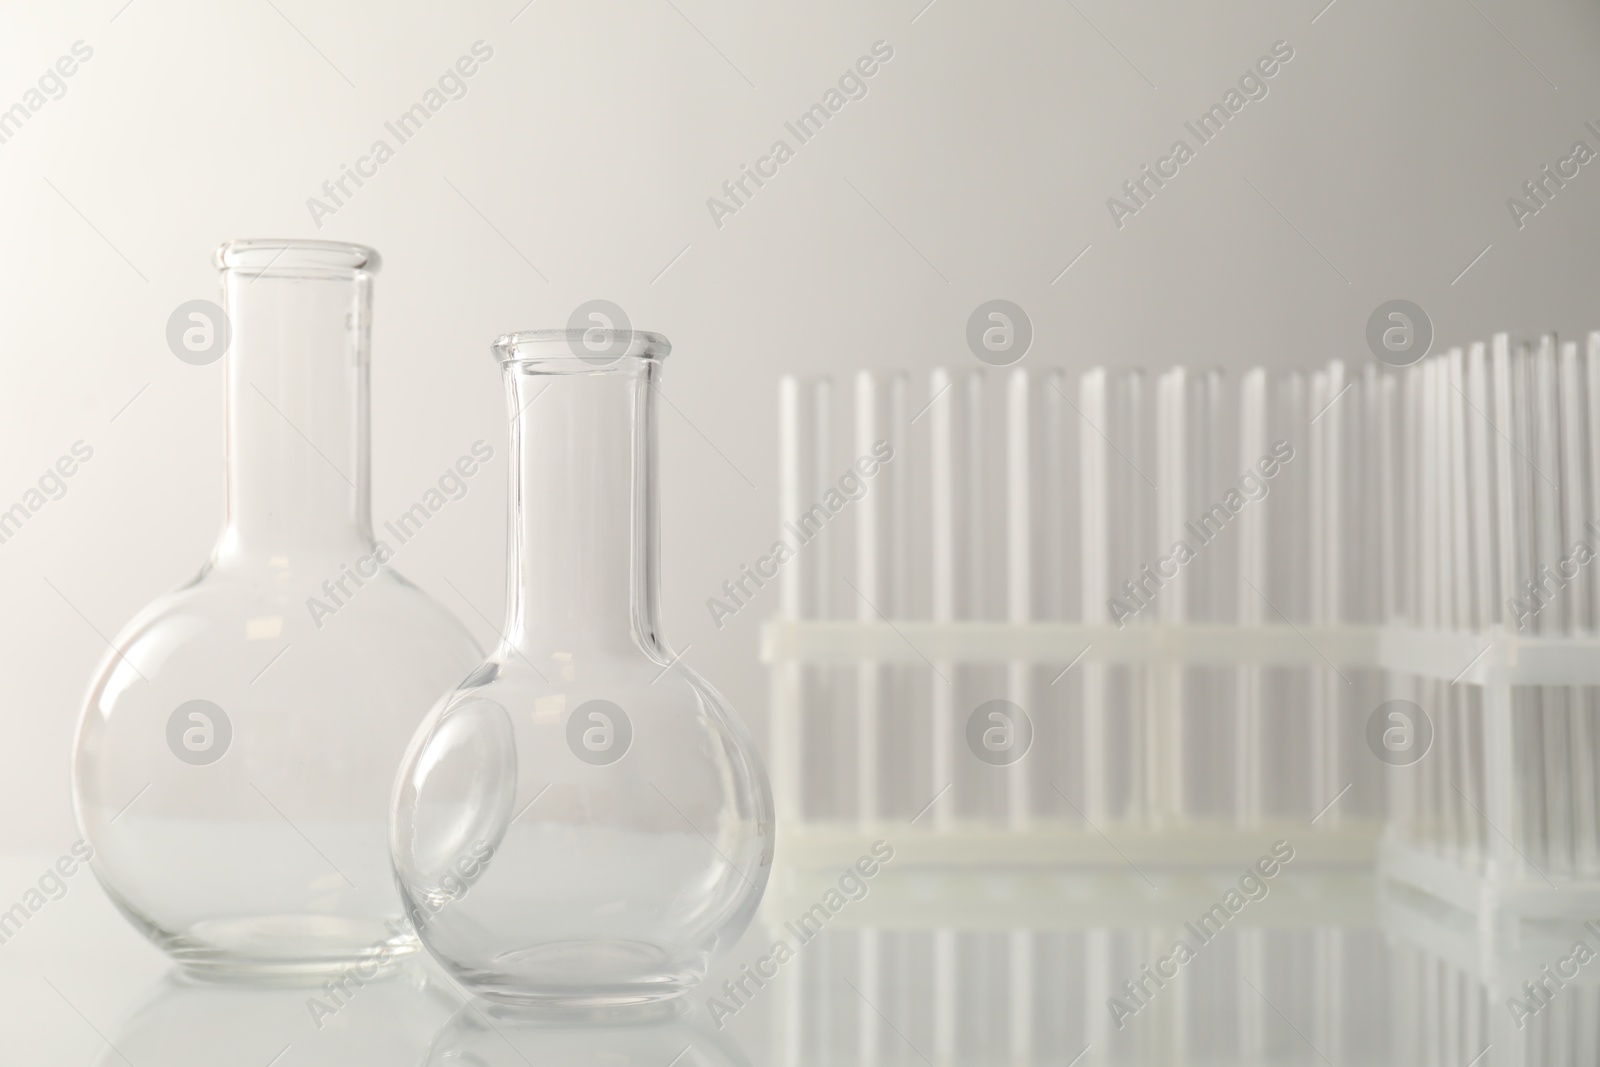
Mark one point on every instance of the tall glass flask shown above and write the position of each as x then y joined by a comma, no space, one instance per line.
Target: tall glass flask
585,819
235,756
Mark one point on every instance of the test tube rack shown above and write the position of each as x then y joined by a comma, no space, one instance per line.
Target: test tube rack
1019,545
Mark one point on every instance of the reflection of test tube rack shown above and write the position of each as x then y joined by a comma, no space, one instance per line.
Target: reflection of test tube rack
1361,979
1231,708
1327,980
1023,968
1451,983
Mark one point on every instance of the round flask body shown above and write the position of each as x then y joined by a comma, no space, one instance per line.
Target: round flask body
596,835
233,764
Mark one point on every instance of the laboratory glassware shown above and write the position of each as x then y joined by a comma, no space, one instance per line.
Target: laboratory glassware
585,820
233,763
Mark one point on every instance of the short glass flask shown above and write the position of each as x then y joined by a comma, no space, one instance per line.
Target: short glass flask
584,820
235,759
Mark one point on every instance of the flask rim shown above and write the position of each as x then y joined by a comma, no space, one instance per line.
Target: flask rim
290,256
576,349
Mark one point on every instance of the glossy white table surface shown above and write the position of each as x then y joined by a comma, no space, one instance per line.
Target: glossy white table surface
1353,978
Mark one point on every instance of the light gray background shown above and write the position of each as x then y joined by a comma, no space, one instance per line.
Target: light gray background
977,167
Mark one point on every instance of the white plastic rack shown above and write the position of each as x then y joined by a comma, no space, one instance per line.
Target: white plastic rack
1352,539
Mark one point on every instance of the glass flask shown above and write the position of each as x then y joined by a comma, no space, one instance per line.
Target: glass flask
584,820
238,744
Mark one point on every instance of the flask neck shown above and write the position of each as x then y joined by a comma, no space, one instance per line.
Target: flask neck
583,569
298,429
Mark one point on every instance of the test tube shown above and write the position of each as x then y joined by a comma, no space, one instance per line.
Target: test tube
1487,605
1019,575
1130,423
1167,737
1504,772
1325,443
1095,582
871,588
1574,513
1557,735
1248,762
1450,525
1591,375
801,696
1056,550
942,411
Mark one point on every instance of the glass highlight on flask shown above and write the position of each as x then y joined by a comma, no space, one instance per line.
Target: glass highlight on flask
237,748
584,820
